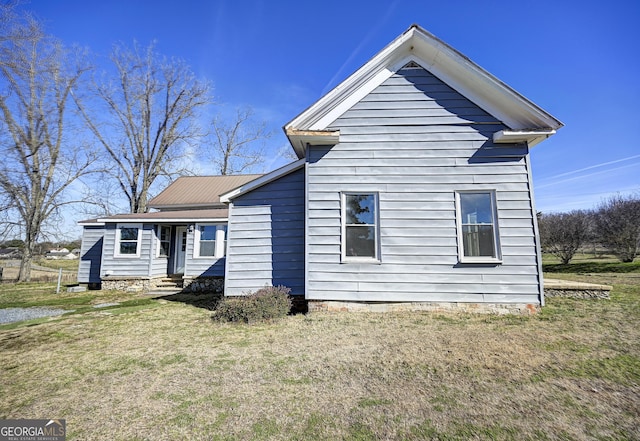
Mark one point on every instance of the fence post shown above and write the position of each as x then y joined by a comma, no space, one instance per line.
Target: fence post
1,269
59,280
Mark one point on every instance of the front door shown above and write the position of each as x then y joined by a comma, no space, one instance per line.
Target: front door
181,249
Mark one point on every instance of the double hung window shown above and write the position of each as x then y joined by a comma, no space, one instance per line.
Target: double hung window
360,237
478,239
164,240
210,240
128,240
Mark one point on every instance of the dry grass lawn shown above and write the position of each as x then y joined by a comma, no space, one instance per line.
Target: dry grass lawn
163,370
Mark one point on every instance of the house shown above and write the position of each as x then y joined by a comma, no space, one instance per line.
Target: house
185,237
10,253
413,187
60,254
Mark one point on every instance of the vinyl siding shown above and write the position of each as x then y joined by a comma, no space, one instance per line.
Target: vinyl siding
415,141
266,237
127,266
90,254
201,266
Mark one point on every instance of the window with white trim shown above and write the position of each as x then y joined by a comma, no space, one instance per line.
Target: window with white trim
210,240
164,240
360,236
478,239
128,240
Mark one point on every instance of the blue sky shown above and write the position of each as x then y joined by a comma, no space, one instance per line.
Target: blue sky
579,60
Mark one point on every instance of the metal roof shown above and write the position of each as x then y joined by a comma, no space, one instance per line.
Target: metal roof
198,191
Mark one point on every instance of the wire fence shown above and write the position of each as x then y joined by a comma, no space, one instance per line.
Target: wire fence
45,278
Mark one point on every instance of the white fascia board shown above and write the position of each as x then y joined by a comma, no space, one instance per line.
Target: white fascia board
340,107
479,86
162,220
262,180
91,224
446,63
374,70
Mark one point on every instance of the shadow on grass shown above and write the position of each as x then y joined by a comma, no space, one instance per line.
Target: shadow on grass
211,300
592,267
204,300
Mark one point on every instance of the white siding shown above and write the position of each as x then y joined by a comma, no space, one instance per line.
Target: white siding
201,266
416,141
127,266
266,237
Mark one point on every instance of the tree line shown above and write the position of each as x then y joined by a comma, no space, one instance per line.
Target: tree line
613,225
71,133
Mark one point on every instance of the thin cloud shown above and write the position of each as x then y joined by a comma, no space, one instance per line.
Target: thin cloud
588,175
603,164
372,31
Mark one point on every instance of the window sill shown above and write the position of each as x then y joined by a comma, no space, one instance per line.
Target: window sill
361,260
485,260
126,256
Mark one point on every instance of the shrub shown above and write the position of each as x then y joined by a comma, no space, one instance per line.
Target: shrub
268,303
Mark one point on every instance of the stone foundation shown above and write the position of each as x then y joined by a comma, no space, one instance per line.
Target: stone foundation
129,284
476,308
578,293
575,290
204,284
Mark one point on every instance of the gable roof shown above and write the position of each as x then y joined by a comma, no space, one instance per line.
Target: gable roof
416,45
198,191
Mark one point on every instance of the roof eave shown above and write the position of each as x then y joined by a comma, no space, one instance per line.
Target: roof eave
162,220
452,67
531,137
262,180
300,139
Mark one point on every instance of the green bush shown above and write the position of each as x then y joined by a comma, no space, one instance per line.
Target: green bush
268,303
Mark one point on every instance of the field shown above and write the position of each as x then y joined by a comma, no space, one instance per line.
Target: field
43,270
154,369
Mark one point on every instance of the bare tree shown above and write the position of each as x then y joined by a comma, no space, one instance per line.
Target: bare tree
38,162
235,149
562,234
146,119
617,225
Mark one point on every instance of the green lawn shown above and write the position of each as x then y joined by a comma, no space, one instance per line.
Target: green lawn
163,370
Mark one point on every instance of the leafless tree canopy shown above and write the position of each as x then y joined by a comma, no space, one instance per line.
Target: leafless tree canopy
146,118
562,234
617,225
38,160
235,144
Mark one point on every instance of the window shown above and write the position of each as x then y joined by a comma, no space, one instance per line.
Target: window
164,240
128,240
360,226
477,227
210,240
